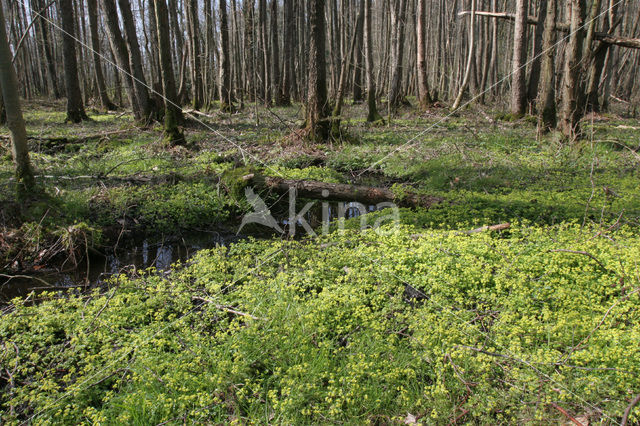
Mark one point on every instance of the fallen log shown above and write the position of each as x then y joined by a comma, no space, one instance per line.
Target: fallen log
367,195
631,43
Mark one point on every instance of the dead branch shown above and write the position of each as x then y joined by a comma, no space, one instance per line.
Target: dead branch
228,309
627,412
631,43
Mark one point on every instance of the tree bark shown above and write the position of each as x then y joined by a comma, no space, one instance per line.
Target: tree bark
572,110
398,16
317,124
92,7
372,110
534,75
172,112
546,102
424,98
276,83
342,192
358,61
135,61
467,72
337,110
226,101
518,82
119,47
75,106
193,28
15,121
288,67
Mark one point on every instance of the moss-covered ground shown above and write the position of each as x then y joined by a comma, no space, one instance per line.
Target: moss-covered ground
421,323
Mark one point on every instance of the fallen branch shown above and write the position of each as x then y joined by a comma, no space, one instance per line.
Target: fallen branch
342,192
566,414
627,412
228,309
631,43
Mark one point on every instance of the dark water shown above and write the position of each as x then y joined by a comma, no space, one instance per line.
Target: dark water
147,253
141,255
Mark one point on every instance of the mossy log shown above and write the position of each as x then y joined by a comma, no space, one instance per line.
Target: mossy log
342,192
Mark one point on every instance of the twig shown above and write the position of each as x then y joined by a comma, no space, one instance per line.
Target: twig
627,412
228,309
566,414
584,253
24,277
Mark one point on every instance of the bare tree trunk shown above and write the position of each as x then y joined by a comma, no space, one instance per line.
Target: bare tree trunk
337,110
172,113
288,69
467,72
135,61
572,110
518,81
47,39
15,122
372,114
276,83
546,102
119,48
75,106
249,47
424,97
317,124
398,15
193,29
92,7
534,75
226,102
358,61
264,42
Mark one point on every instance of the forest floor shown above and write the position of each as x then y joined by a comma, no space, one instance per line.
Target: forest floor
420,323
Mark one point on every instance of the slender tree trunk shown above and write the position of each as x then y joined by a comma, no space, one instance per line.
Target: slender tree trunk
288,52
534,75
135,61
467,72
424,98
572,110
119,48
194,52
226,102
518,81
317,123
92,7
337,110
249,47
75,106
276,83
398,15
547,88
264,42
48,50
15,122
172,113
358,61
372,110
